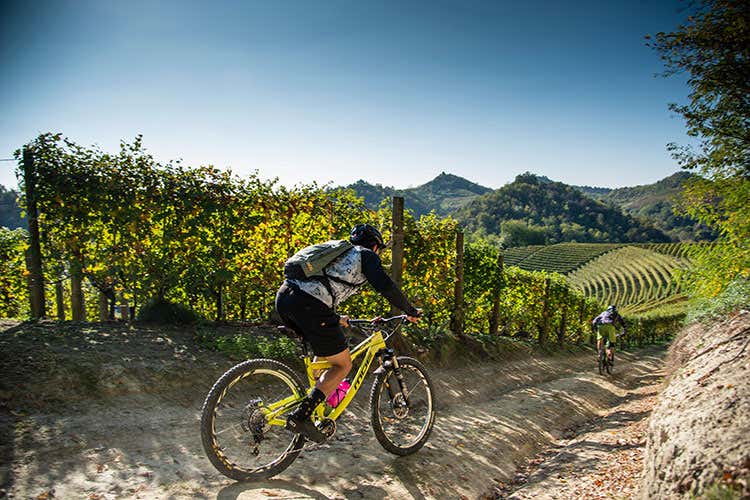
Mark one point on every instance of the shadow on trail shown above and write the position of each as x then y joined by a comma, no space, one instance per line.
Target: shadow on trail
233,491
7,450
490,417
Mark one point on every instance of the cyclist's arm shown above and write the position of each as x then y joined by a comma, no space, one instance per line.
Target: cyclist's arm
596,321
621,321
373,270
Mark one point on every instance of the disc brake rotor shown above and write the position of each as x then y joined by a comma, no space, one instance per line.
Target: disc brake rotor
399,406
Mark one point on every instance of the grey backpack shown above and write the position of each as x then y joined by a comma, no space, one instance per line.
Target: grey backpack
311,261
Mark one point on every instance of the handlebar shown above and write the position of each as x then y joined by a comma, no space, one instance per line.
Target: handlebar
368,326
377,321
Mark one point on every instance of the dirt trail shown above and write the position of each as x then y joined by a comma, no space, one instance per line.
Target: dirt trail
490,419
602,459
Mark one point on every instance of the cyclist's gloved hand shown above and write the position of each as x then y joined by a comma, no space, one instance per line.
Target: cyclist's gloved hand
414,319
344,320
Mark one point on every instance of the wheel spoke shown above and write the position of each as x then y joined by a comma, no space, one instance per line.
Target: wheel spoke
402,427
408,393
235,426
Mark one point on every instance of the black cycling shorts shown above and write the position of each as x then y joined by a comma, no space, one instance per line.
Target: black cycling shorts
312,319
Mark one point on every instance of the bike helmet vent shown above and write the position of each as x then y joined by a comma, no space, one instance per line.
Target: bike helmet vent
366,235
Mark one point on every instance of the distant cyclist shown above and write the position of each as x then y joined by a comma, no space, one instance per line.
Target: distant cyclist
606,324
307,304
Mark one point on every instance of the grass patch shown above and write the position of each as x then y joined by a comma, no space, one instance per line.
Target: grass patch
735,296
718,491
245,346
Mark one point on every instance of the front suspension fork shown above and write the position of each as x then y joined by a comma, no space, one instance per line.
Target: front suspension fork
388,360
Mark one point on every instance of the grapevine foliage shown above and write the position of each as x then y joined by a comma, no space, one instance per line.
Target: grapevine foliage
139,230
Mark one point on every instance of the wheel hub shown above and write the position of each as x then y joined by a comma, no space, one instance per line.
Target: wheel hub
254,421
400,408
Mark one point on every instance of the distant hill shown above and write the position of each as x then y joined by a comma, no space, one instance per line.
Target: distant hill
594,192
655,202
10,212
557,211
444,194
649,207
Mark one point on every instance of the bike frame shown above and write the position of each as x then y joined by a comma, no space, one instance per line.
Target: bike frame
369,348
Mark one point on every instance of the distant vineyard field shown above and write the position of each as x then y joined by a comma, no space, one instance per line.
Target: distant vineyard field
515,256
639,278
680,250
561,258
635,278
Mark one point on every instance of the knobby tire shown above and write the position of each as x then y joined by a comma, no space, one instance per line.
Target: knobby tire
234,379
421,407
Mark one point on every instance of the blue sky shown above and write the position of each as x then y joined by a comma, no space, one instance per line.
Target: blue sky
390,92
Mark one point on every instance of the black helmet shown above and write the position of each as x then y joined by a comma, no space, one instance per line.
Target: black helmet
612,308
366,235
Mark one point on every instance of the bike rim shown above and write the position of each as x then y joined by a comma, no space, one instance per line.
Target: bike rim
241,436
405,426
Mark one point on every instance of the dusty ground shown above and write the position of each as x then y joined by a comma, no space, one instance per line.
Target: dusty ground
699,434
603,459
136,444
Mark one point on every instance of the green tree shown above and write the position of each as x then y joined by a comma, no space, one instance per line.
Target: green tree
713,49
13,287
517,233
10,212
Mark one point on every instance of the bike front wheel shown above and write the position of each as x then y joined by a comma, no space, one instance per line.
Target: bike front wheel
242,420
402,410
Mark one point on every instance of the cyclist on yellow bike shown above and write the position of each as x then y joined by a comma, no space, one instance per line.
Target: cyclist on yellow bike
307,304
605,325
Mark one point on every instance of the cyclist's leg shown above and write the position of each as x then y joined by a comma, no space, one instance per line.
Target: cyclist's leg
330,380
612,341
598,339
299,420
607,334
320,327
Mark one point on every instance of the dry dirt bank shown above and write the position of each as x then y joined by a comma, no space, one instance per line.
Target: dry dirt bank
136,444
699,433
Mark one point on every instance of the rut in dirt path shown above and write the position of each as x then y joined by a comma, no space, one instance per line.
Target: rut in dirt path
490,418
601,459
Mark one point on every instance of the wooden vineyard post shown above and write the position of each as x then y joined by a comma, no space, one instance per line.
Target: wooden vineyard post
103,307
59,300
586,332
563,325
545,314
458,292
495,316
397,248
34,260
77,304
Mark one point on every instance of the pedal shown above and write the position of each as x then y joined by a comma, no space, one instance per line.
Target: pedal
328,427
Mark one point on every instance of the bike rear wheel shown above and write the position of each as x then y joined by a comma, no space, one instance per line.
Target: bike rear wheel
402,424
235,430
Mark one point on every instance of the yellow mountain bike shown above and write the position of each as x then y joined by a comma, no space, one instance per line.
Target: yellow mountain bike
244,415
